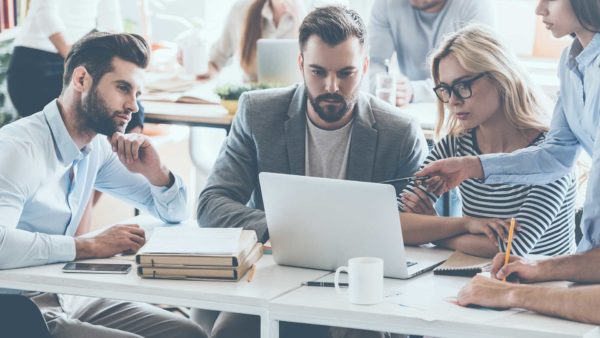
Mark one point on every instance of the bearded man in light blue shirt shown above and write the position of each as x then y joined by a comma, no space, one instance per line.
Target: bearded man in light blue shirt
50,164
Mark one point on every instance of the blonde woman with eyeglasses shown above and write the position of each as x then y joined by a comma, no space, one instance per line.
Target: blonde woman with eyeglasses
492,108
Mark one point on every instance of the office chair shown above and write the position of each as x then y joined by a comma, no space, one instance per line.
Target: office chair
20,317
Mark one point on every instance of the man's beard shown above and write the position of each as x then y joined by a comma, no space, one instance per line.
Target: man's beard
329,112
96,115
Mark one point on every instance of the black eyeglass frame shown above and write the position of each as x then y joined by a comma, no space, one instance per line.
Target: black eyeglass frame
452,88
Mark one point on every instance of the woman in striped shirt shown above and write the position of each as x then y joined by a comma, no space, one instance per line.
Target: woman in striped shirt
493,109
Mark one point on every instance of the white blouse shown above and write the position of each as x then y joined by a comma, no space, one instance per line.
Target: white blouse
74,18
224,49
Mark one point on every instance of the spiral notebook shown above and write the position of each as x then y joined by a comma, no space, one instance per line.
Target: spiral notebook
461,264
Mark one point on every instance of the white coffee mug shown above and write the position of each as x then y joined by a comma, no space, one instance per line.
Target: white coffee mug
365,280
195,58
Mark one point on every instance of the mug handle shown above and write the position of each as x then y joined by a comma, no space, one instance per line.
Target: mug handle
336,278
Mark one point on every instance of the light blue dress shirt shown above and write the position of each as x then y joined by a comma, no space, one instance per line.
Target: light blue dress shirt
574,125
46,182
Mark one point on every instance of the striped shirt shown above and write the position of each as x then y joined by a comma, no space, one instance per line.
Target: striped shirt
546,212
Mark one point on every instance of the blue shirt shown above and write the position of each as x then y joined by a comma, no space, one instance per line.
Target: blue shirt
46,183
574,125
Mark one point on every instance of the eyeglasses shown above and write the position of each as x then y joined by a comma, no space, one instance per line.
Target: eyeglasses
462,89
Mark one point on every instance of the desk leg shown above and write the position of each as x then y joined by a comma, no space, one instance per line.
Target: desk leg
269,327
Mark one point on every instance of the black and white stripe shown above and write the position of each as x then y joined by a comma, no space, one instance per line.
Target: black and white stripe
546,213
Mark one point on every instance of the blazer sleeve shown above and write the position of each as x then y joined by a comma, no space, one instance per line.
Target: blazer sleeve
234,178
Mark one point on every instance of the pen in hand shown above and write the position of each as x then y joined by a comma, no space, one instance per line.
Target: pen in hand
511,231
323,284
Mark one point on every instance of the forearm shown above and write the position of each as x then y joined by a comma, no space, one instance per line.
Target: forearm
216,210
575,303
20,248
576,268
59,41
476,245
420,229
160,177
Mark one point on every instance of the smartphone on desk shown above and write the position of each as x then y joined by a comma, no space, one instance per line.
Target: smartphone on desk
97,268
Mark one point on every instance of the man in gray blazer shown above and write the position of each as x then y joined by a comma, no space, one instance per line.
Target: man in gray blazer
325,127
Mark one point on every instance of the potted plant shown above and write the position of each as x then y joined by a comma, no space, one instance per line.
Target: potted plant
230,94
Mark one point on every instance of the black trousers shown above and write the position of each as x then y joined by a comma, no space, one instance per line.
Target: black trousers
34,78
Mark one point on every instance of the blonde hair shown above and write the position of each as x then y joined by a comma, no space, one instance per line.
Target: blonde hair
479,50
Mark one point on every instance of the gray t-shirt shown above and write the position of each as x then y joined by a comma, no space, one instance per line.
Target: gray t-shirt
327,150
396,26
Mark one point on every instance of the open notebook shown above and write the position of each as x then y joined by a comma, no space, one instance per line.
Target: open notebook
460,264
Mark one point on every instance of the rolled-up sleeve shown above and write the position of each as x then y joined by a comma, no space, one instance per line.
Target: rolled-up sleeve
542,164
46,17
168,204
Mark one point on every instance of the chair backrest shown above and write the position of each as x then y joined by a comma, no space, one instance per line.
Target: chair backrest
20,317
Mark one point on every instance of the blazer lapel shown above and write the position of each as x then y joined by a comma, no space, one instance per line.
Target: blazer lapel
363,144
295,133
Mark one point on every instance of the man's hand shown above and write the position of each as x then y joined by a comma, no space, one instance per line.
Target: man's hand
138,155
114,240
448,173
487,292
418,202
404,91
525,271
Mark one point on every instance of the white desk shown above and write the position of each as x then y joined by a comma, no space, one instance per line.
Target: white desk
323,306
270,281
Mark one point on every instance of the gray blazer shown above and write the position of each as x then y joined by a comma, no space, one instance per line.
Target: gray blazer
268,134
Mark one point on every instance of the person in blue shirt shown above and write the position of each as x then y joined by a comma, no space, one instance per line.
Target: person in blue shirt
574,126
51,162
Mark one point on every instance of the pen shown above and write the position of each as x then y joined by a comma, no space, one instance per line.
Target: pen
412,178
511,231
323,284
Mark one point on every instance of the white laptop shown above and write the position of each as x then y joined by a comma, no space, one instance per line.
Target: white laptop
277,61
320,223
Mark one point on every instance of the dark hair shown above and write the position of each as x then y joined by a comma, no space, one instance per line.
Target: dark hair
95,52
588,13
333,24
251,32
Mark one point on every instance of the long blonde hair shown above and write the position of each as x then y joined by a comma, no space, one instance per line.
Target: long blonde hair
479,50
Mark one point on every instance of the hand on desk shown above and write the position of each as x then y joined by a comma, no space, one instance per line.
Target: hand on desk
122,238
138,155
486,292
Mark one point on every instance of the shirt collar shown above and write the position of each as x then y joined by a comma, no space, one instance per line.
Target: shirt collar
67,149
584,56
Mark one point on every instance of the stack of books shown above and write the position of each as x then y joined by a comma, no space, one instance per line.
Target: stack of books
187,252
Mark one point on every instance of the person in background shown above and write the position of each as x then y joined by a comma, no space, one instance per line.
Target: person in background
493,108
34,75
248,21
412,28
